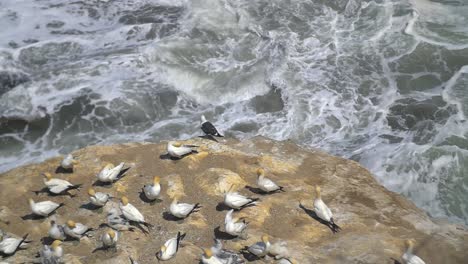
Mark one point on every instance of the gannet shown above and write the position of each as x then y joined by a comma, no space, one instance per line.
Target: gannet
208,128
323,212
56,231
234,226
226,256
117,221
98,198
52,254
131,213
182,210
109,173
266,184
208,258
170,248
177,150
75,230
10,245
408,257
260,249
110,238
152,191
68,162
238,201
44,208
58,186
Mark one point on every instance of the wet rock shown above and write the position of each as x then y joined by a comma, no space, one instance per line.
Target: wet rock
375,222
40,55
152,14
9,80
55,24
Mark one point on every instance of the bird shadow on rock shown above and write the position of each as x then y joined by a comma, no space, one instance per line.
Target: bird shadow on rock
61,169
222,207
249,256
46,190
32,216
395,261
312,214
219,234
256,190
209,137
169,217
47,240
105,249
146,200
90,207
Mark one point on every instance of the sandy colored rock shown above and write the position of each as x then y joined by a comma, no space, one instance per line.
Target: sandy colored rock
375,222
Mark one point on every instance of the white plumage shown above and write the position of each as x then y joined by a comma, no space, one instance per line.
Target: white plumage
130,212
51,254
68,162
233,226
170,247
43,208
109,173
57,186
177,150
182,210
152,191
9,245
110,238
98,198
116,221
56,231
75,230
260,249
237,201
266,184
408,257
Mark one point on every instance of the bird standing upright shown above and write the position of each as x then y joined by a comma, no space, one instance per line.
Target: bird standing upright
208,128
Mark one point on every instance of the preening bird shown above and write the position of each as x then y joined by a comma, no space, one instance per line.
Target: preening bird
170,248
266,184
110,172
56,231
323,212
68,162
152,191
98,198
131,213
408,257
51,254
109,239
234,226
177,150
58,186
182,210
44,208
208,128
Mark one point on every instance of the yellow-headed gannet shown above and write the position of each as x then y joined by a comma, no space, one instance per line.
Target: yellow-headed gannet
260,249
56,231
234,226
152,191
52,254
9,245
117,221
44,208
408,257
170,248
238,201
109,239
75,230
182,210
98,198
68,162
58,186
177,150
224,255
208,128
266,184
131,213
209,258
323,212
110,172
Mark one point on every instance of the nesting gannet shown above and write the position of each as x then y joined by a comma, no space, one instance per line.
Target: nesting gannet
224,255
10,245
408,257
98,198
260,249
110,172
177,150
58,186
182,210
110,238
323,212
234,226
44,208
170,248
56,231
117,221
266,184
152,191
52,254
131,213
68,162
75,230
238,201
208,128
209,258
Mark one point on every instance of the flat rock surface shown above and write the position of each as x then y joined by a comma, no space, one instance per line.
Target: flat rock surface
375,222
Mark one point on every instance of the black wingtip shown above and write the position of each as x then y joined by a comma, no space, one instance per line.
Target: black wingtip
179,238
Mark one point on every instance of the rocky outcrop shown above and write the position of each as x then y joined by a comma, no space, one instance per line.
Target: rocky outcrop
375,222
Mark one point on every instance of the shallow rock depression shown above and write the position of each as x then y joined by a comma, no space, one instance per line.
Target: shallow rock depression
375,222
